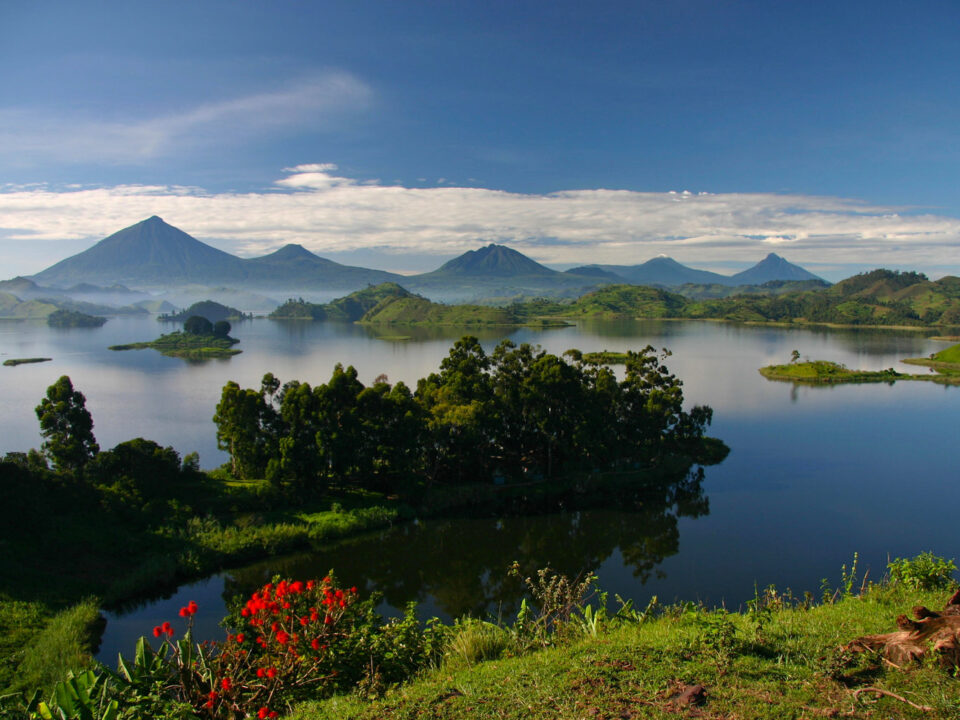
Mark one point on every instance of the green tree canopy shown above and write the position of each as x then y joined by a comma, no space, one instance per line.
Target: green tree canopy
67,427
198,325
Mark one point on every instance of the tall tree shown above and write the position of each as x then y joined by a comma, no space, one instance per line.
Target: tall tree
67,427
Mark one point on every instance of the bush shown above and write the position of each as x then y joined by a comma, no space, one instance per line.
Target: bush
476,641
926,571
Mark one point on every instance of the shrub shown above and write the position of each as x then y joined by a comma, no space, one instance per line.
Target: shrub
926,571
475,641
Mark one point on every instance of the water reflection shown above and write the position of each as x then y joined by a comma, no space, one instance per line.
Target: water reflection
458,565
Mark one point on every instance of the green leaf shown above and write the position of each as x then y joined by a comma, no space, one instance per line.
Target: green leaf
44,711
113,708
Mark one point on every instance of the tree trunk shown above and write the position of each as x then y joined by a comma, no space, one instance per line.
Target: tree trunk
937,631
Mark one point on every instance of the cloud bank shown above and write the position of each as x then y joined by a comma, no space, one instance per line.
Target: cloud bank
328,213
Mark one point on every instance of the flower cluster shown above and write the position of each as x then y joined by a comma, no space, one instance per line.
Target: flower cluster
164,629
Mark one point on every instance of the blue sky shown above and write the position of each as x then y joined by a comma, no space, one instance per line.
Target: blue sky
397,134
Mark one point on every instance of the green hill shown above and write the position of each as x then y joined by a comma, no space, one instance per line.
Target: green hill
350,308
621,301
212,311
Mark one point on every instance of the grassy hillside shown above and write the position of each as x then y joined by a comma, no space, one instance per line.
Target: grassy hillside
776,660
350,308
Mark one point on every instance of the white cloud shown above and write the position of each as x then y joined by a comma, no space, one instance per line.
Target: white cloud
328,213
28,135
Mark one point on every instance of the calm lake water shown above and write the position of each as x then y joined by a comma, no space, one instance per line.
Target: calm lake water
814,474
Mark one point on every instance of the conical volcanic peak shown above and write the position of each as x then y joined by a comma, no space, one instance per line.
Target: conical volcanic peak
149,252
493,261
772,267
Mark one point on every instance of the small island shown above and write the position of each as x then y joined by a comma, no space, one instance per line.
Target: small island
199,340
71,318
13,362
824,372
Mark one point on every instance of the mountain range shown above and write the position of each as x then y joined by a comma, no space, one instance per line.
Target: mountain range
155,254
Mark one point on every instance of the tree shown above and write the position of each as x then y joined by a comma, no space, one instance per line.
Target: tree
198,325
794,356
221,328
67,426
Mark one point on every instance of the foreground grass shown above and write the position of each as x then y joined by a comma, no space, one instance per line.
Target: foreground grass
784,663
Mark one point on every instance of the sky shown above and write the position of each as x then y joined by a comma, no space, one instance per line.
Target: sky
397,135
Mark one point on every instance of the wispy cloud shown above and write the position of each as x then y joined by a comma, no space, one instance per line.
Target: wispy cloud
29,134
329,213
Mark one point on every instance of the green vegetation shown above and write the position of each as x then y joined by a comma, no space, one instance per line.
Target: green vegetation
780,659
71,318
13,362
946,361
604,357
878,298
824,372
518,414
390,304
184,345
200,340
566,653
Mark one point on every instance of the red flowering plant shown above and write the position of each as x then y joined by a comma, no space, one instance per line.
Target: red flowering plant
307,639
291,640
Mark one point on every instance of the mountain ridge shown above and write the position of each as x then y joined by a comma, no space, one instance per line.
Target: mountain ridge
153,253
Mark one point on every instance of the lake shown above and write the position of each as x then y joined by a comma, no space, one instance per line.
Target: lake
814,474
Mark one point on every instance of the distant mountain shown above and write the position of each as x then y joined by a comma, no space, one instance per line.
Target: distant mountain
154,253
294,266
597,273
492,261
772,267
150,252
663,271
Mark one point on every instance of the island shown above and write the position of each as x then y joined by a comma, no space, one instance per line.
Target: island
71,318
825,372
13,362
199,340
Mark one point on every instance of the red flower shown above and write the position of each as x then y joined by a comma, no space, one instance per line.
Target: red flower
225,684
261,672
271,672
167,628
192,607
282,637
157,631
262,713
184,612
240,637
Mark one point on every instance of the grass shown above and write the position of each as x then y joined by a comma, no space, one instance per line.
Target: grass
782,663
13,362
823,372
946,361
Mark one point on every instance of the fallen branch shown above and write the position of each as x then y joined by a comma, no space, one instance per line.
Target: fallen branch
878,691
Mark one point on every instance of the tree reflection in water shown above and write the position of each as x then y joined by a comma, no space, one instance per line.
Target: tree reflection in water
458,565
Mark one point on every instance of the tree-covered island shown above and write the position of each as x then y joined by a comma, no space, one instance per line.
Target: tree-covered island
200,339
